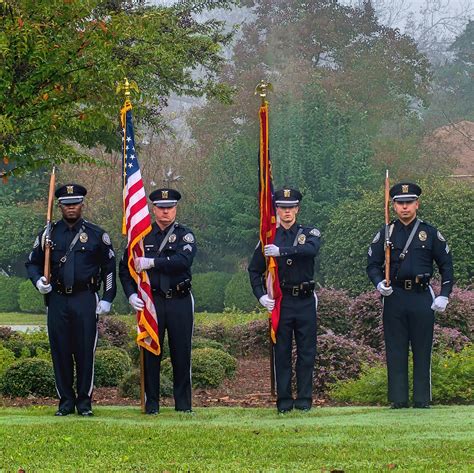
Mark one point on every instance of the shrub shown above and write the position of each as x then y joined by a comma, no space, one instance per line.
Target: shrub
29,376
339,358
250,338
201,342
238,293
228,362
29,299
120,305
209,291
9,293
130,385
366,314
113,330
111,365
5,333
448,339
24,345
7,357
16,343
333,311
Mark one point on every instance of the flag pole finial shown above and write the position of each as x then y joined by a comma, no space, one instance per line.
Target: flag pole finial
126,86
262,89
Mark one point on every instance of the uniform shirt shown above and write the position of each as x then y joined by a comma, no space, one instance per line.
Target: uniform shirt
428,245
172,265
94,256
298,247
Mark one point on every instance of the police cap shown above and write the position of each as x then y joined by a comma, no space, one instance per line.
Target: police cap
405,192
287,197
70,194
165,197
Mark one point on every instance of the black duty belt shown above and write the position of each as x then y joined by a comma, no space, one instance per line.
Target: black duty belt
77,287
180,290
418,284
304,289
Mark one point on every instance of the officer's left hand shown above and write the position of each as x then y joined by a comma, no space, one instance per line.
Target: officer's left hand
103,307
271,250
439,304
142,264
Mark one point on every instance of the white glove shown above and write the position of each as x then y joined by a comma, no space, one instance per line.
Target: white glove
268,303
439,304
383,289
142,264
103,307
271,250
136,302
43,286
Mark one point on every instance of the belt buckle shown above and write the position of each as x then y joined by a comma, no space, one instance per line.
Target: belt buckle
408,283
169,294
295,291
68,290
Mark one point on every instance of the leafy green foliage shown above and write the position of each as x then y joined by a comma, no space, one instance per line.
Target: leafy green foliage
209,290
113,330
130,385
29,376
202,342
111,365
207,370
333,311
238,293
29,298
9,293
7,358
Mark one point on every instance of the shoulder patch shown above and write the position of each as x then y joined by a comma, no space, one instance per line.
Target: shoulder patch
315,232
36,243
188,238
106,238
440,237
188,248
376,238
370,251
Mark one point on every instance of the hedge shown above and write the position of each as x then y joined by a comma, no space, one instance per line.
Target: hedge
9,293
30,299
111,365
209,291
238,293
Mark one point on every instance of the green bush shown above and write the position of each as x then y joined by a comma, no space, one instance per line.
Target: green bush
29,376
452,375
7,358
25,345
9,293
344,253
238,293
30,299
120,305
228,362
201,342
130,385
209,291
111,365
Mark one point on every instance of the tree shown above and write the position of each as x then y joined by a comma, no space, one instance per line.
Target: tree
61,60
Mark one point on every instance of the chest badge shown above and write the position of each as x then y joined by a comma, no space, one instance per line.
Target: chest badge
422,235
172,238
302,239
83,237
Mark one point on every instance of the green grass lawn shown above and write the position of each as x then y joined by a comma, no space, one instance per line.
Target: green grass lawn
236,439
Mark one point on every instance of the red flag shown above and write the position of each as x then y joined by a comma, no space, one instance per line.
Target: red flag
268,218
137,224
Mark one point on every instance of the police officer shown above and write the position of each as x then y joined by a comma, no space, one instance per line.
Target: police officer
294,248
409,303
169,252
82,259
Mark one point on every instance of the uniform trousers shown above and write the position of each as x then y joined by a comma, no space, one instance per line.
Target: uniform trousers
408,321
298,316
175,316
72,330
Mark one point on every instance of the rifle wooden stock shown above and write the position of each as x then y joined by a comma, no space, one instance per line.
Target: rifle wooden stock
387,229
49,219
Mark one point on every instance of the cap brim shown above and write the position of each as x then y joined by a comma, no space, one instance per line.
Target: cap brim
293,203
70,200
166,205
405,199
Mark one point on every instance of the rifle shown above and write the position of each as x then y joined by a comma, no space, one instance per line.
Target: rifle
387,230
47,233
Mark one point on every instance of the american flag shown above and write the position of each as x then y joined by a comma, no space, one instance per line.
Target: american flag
137,224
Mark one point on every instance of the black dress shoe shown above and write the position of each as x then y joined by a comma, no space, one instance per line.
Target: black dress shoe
62,413
421,405
152,412
284,411
87,413
303,409
185,411
399,405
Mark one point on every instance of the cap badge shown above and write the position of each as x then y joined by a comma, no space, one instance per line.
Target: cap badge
164,194
287,193
172,238
405,188
70,189
422,235
83,237
302,239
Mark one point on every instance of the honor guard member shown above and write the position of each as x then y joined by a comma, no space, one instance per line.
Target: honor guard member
294,248
409,304
82,259
169,252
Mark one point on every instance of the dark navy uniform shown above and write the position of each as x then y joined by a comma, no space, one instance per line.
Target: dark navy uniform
298,247
72,303
170,279
408,318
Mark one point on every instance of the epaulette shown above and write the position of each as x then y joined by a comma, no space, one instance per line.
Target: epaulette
93,227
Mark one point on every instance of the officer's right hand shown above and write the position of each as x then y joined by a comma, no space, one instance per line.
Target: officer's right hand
136,302
383,289
43,286
267,302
